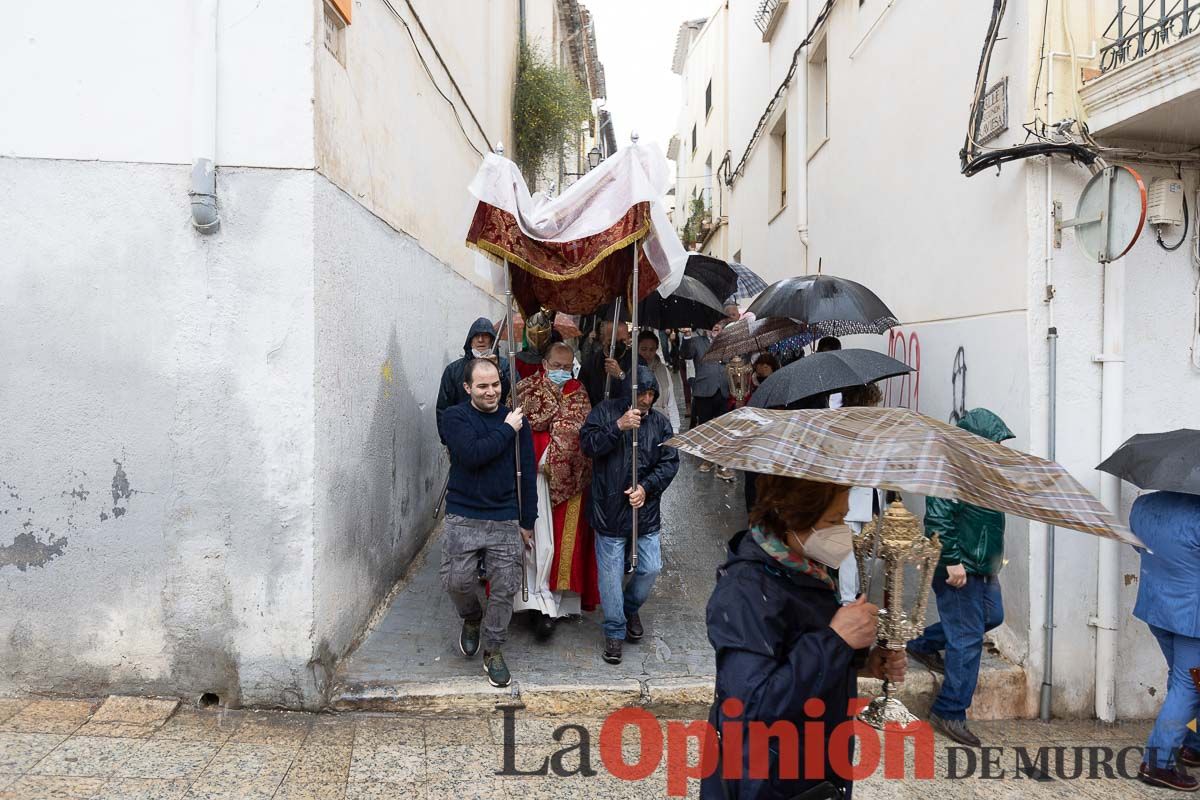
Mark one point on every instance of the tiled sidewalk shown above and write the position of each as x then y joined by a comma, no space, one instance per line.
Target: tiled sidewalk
134,749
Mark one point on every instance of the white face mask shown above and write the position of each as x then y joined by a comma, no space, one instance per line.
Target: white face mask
480,353
830,546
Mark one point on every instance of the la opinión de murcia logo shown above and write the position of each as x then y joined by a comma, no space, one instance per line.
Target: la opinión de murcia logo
792,751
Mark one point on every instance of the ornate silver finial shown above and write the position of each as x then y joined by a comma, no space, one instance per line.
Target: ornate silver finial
499,148
634,137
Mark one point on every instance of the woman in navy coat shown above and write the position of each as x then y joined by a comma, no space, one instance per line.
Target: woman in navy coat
782,639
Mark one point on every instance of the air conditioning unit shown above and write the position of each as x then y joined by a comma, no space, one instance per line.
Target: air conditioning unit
1164,202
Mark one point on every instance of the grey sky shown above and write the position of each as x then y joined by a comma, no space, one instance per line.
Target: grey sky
637,40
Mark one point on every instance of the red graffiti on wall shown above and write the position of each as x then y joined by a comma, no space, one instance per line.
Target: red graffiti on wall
904,391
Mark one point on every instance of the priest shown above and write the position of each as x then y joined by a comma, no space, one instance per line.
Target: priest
561,576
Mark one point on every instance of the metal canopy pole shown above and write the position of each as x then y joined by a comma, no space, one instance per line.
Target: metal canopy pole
512,384
612,347
633,376
634,303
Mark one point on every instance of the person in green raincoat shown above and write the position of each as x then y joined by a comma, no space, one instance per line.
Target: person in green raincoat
967,586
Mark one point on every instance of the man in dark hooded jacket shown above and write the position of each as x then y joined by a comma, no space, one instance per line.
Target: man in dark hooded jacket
480,339
607,439
967,586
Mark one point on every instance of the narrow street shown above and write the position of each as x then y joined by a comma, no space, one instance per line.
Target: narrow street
415,646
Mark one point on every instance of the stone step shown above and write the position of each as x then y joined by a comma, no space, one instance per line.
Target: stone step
1001,694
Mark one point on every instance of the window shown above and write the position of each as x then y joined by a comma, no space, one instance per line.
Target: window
818,96
335,29
693,140
708,100
777,185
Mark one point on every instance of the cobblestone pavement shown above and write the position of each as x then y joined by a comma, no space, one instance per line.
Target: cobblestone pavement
138,749
417,640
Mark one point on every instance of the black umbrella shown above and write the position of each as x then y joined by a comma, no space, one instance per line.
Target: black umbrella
714,273
835,306
821,373
691,305
1168,462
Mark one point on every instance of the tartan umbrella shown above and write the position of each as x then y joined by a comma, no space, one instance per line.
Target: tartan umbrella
748,282
895,448
750,336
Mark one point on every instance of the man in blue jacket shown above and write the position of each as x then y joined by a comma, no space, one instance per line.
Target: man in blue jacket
607,439
1169,602
483,513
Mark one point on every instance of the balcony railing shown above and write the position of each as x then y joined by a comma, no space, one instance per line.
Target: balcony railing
1140,29
768,14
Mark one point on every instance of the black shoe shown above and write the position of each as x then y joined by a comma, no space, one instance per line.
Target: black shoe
932,661
468,638
955,729
633,628
496,669
612,651
1176,779
1188,757
543,628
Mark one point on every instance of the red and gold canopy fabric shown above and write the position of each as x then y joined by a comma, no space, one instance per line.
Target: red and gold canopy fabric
573,253
575,277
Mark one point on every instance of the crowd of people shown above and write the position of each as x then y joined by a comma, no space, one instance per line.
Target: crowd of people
786,619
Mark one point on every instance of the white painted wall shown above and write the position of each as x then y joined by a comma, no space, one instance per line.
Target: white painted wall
385,135
157,528
121,74
707,61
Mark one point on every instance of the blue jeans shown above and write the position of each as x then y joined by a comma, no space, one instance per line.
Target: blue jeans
617,598
1182,704
966,614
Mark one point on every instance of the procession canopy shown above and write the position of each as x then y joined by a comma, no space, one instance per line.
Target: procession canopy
572,252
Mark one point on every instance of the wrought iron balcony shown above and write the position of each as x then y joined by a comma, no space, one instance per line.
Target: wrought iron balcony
1141,29
768,13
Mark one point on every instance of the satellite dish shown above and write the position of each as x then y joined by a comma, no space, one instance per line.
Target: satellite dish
1110,214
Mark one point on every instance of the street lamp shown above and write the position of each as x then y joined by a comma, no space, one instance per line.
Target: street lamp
594,157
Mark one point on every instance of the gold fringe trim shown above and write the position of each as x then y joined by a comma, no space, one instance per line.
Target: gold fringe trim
500,252
570,531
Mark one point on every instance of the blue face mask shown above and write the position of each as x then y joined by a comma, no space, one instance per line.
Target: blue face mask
559,376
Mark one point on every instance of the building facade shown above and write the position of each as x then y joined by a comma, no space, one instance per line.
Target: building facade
851,167
564,30
702,138
231,281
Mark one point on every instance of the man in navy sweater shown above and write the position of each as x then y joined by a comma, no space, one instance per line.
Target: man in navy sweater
483,515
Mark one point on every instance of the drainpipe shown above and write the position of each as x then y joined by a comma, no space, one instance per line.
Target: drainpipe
522,15
1112,400
203,192
1044,703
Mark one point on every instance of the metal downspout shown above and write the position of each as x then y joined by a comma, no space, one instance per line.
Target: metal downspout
203,191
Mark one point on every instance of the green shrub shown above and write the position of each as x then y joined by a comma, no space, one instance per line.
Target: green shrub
550,105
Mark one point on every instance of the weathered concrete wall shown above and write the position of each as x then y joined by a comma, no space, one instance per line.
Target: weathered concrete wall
1160,390
157,452
389,316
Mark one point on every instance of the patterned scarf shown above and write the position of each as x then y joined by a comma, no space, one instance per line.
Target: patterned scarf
784,555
